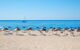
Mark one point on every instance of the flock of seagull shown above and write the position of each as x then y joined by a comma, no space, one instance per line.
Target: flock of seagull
44,32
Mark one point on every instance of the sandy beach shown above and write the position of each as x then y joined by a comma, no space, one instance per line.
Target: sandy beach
39,24
34,40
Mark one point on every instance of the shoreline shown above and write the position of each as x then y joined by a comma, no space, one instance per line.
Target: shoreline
59,33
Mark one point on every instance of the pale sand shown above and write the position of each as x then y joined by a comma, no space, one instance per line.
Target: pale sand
27,42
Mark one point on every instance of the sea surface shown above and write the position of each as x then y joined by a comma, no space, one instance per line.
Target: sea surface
38,24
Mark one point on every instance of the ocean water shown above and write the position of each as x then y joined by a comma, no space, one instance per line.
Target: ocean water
25,24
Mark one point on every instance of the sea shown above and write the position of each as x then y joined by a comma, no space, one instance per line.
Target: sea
38,24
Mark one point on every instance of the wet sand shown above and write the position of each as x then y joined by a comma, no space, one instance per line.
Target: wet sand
25,41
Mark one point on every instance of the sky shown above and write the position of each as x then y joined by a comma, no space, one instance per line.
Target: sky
40,9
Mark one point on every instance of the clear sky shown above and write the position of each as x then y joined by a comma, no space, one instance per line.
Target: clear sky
40,9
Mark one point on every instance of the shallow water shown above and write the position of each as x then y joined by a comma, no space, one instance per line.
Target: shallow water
25,24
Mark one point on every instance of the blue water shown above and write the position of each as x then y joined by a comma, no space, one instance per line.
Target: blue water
12,24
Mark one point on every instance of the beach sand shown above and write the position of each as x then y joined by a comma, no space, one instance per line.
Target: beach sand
16,41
